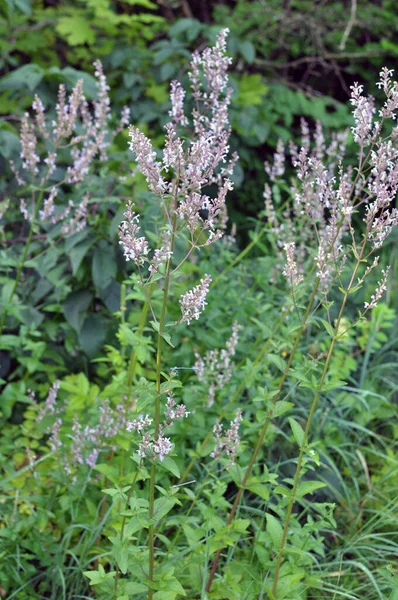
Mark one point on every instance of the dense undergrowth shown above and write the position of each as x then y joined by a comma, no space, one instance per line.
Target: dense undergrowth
190,408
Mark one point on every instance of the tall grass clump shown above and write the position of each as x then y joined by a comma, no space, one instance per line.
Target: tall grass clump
204,451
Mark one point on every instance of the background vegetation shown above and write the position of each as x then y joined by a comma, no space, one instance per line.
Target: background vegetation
76,316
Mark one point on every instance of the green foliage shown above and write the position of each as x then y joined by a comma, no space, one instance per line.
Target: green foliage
69,528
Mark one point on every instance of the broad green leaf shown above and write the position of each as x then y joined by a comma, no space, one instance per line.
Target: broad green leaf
163,506
328,328
133,587
28,76
298,432
92,334
78,252
277,361
281,407
308,487
259,489
120,552
103,265
75,308
248,51
275,530
169,464
76,30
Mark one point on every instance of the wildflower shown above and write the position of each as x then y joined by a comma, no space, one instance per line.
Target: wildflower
139,424
363,115
79,220
55,440
162,446
381,288
193,302
229,443
48,208
177,94
49,407
216,367
146,159
134,248
30,158
290,271
92,458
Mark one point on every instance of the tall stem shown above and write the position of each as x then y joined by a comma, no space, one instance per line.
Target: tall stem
309,421
263,432
151,530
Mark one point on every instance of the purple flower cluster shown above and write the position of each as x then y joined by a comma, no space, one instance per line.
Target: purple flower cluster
228,443
215,369
187,167
193,302
149,445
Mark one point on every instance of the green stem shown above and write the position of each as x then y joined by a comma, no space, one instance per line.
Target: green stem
122,528
308,425
151,530
263,432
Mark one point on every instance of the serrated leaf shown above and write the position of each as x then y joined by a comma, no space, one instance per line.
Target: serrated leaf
275,530
328,328
298,432
308,487
259,489
170,465
133,587
281,407
162,506
76,30
277,361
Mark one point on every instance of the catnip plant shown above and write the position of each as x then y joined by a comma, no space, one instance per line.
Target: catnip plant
325,224
195,157
322,223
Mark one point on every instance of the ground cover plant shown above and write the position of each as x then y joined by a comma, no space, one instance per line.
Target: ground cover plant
182,417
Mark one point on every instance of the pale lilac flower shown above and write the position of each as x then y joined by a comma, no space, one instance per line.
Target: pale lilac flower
215,369
24,210
48,206
30,158
277,169
38,107
146,159
49,407
177,94
134,248
55,440
162,446
174,411
194,302
139,424
363,115
290,271
78,222
381,288
92,458
229,443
